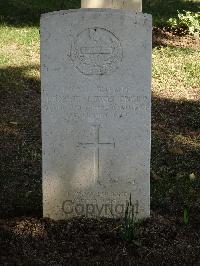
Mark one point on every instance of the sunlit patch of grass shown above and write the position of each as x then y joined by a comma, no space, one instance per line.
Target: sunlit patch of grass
190,141
19,46
4,59
176,73
19,56
21,36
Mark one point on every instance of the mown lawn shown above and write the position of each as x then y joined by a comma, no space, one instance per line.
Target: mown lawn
176,107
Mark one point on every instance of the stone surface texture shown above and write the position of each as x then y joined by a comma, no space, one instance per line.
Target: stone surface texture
135,5
96,112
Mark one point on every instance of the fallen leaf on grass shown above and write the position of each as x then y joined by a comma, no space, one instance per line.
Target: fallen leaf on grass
13,123
192,176
176,151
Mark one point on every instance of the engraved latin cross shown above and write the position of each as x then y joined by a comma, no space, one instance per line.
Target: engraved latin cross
97,144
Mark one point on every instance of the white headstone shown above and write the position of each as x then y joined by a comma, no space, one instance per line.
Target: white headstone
96,112
135,5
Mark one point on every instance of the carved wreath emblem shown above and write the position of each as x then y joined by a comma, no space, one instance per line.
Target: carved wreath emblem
96,51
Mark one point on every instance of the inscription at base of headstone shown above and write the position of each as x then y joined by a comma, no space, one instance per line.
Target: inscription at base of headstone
96,112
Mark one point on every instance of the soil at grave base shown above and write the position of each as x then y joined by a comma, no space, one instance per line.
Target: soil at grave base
174,38
164,240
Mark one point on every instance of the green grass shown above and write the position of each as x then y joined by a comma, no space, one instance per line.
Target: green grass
163,10
175,70
175,103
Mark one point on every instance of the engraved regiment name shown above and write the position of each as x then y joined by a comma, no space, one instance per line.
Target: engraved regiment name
96,51
118,105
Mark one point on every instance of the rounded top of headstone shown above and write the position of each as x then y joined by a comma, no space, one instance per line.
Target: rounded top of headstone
108,11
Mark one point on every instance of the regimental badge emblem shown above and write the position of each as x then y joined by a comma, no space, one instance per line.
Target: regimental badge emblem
96,51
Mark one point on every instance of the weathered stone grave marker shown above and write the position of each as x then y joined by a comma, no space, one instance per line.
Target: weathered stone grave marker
96,111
